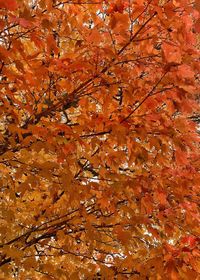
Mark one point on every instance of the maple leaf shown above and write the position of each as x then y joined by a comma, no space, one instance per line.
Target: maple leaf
172,53
9,4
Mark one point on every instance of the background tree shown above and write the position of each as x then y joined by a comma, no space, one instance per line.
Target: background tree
99,160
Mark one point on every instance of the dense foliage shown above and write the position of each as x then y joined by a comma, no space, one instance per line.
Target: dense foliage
99,159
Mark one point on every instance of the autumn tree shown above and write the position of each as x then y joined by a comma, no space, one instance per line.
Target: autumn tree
99,157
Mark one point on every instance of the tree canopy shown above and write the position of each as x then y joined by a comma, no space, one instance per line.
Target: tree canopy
99,159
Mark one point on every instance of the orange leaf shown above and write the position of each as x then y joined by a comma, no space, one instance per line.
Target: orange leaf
172,53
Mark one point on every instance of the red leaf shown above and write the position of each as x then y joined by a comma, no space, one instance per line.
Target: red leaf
9,4
25,23
190,240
